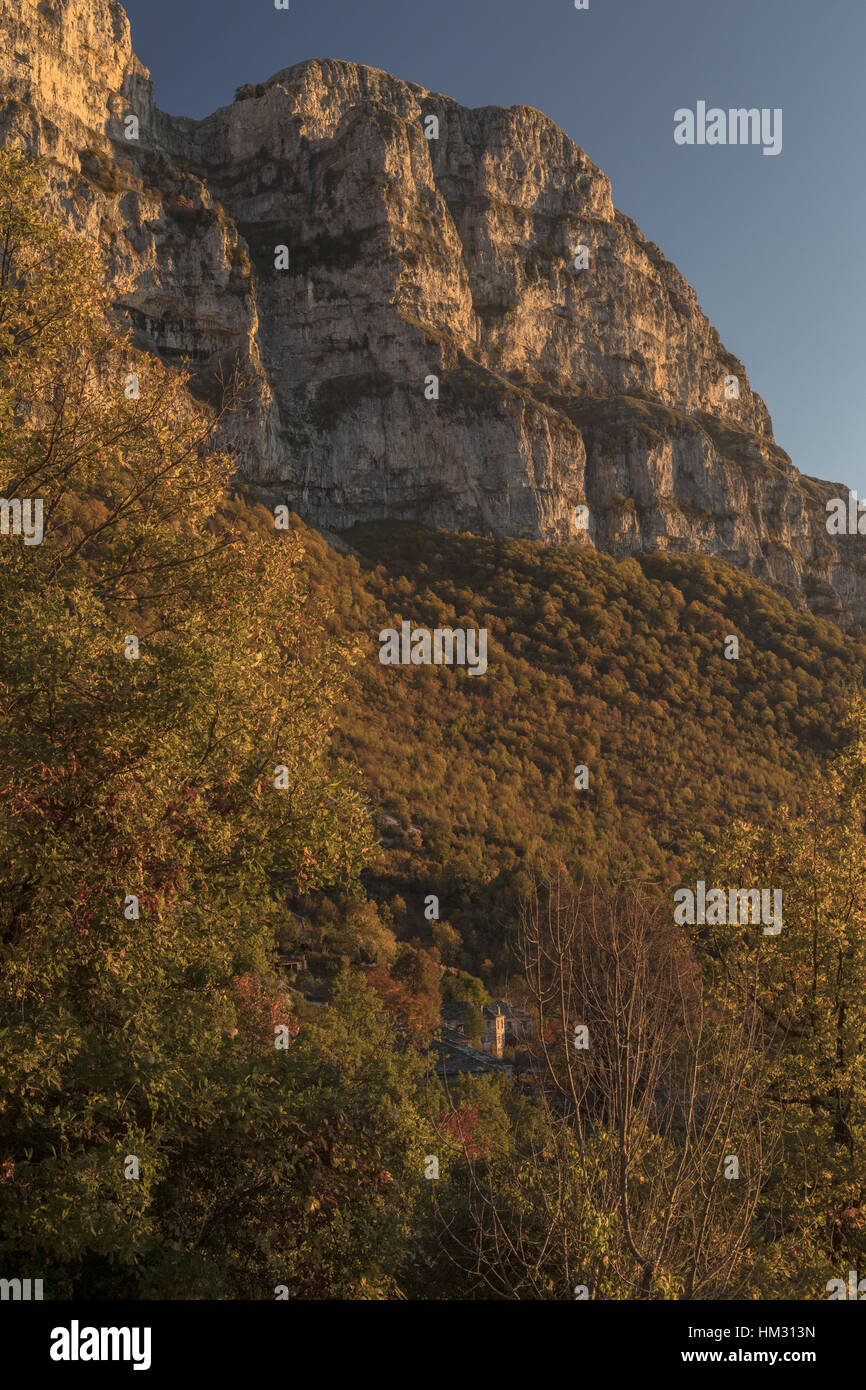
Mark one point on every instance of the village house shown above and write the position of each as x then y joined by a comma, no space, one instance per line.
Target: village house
517,1023
453,1016
454,1056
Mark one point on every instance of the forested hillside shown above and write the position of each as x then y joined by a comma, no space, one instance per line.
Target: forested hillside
210,780
615,665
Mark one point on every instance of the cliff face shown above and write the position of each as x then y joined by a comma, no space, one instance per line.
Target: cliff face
409,258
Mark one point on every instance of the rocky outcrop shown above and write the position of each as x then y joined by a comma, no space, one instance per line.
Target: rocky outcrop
427,346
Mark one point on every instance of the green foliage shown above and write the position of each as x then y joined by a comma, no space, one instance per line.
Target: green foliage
617,664
811,988
146,1030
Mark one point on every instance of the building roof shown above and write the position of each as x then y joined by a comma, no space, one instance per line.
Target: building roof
450,1059
455,1012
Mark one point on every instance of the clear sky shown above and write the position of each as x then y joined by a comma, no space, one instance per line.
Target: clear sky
775,247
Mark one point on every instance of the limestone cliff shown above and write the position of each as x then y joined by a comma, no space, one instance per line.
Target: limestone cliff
411,257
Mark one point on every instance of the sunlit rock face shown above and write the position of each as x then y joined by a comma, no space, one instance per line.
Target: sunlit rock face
433,350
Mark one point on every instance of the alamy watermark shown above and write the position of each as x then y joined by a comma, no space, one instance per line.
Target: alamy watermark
76,1343
729,907
846,516
736,126
442,647
22,517
855,1289
21,1290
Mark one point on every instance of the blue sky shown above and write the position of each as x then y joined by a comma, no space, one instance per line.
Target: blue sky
774,246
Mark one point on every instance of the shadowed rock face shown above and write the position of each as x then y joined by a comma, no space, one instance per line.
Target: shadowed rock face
409,258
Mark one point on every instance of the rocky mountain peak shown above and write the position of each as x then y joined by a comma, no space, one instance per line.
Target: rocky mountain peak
461,328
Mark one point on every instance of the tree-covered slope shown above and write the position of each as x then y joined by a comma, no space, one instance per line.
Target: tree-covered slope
618,665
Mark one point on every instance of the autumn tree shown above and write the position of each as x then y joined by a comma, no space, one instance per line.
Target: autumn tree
619,1182
167,695
811,992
